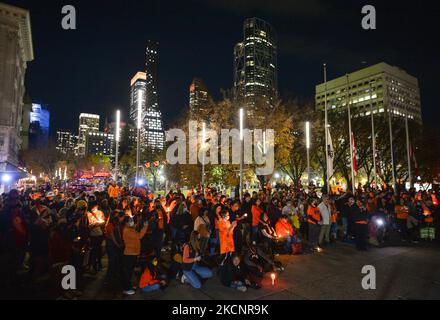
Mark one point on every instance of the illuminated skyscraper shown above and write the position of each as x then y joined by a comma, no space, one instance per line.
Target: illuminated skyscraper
154,134
255,65
100,143
138,90
198,98
87,123
65,142
39,126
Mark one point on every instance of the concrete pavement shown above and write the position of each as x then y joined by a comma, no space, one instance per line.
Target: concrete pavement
403,272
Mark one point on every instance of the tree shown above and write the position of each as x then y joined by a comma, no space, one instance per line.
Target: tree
41,160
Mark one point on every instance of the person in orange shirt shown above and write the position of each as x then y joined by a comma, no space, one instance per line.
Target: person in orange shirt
313,219
113,190
402,211
256,211
150,280
226,234
284,231
132,241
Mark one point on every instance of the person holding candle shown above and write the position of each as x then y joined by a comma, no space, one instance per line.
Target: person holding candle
96,219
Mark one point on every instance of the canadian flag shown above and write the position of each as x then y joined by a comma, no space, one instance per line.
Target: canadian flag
355,168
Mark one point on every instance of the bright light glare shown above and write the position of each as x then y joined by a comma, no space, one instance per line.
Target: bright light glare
139,113
140,182
308,135
264,142
380,222
241,123
6,178
118,125
203,134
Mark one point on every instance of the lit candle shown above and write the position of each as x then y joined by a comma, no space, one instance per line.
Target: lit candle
272,276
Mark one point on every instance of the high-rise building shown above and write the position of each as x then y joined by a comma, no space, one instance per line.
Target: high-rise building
154,132
100,143
16,50
39,126
66,142
198,98
379,88
255,65
138,87
87,123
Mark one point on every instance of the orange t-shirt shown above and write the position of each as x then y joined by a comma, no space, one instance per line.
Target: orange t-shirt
314,213
401,212
226,240
256,213
147,279
283,228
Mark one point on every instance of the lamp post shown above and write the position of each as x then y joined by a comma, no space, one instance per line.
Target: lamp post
139,125
308,150
241,151
117,139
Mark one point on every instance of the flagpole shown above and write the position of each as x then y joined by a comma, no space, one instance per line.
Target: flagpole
308,151
373,137
241,116
353,184
408,152
117,138
203,159
392,148
325,129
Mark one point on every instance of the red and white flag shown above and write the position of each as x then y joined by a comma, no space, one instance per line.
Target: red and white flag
355,168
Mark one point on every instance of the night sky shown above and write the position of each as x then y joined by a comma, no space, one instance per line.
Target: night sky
89,69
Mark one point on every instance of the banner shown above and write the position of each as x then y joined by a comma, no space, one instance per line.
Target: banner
355,168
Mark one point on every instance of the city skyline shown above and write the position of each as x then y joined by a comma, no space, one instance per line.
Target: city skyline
303,47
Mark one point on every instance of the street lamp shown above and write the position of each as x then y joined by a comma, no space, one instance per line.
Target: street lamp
308,150
117,139
139,125
241,151
203,155
6,178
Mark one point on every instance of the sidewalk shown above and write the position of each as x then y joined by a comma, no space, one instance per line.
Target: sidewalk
403,272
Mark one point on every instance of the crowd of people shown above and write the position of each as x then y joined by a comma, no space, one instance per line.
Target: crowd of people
151,240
